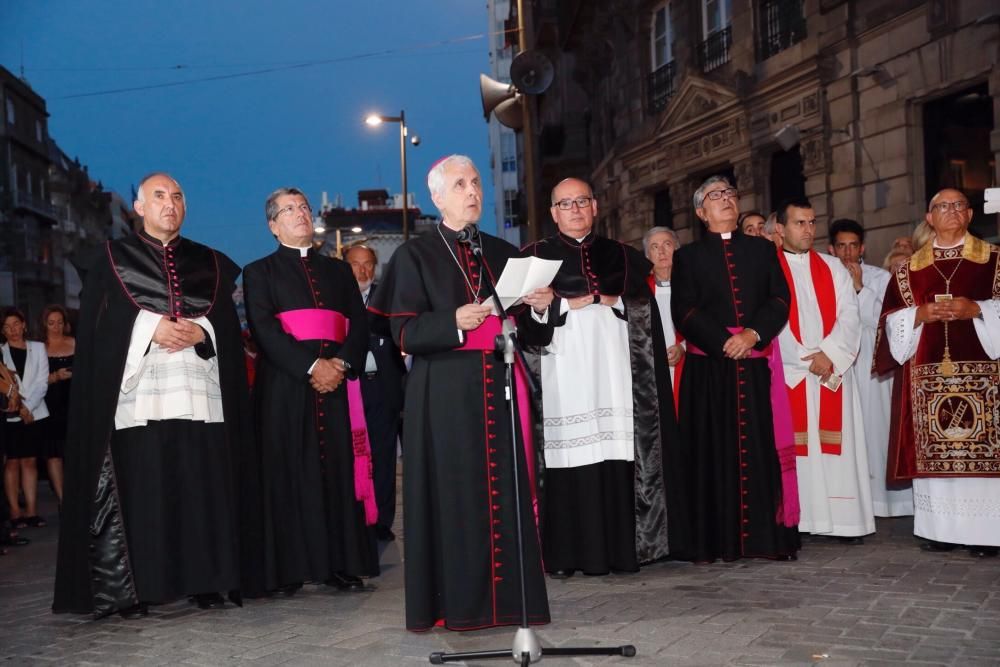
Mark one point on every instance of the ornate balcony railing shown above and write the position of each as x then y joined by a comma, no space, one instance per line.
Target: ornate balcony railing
659,87
782,24
714,51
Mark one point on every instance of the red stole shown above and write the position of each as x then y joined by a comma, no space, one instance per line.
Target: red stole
678,339
830,405
324,324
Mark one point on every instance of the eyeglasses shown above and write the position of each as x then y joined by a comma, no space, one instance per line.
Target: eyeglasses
716,195
956,206
305,208
567,204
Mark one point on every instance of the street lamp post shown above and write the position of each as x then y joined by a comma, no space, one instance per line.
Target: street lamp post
377,119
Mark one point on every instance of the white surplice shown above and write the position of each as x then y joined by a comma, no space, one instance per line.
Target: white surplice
834,490
587,402
875,395
960,510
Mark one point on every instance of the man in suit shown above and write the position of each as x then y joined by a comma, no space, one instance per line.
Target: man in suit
382,390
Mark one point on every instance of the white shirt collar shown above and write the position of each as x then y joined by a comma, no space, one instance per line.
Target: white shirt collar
954,245
302,251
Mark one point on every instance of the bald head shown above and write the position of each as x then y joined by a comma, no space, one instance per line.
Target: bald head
573,207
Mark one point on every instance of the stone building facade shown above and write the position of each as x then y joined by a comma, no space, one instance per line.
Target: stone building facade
866,107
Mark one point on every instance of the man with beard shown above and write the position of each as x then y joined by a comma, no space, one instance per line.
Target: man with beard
729,302
158,426
458,488
310,327
606,398
382,387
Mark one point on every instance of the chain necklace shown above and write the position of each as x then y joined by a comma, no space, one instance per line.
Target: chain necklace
474,290
948,367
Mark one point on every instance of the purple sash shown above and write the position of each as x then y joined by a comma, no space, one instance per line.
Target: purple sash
321,324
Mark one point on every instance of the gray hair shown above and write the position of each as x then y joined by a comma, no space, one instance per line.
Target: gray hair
699,194
771,224
658,230
271,204
141,196
435,177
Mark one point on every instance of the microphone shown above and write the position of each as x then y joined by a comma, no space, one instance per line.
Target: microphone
469,235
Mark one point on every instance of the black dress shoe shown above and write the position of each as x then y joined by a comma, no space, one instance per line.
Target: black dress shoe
851,540
384,534
209,601
345,582
983,552
135,611
934,545
561,574
290,589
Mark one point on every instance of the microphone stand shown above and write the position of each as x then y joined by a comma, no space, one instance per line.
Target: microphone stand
526,648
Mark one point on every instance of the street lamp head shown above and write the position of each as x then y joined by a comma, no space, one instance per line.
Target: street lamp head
356,230
415,140
373,119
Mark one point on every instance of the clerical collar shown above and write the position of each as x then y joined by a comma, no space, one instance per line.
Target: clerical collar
152,240
302,251
794,252
587,239
662,283
961,242
726,235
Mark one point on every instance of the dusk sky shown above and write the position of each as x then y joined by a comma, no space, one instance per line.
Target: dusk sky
231,141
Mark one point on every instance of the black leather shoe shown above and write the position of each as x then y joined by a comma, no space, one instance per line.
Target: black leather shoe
346,582
209,601
290,590
851,540
561,574
934,545
135,611
384,534
984,552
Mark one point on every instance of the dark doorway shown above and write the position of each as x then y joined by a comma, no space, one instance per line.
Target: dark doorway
957,150
663,209
787,180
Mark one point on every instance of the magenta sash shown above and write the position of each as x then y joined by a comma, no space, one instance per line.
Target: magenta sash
784,437
322,324
483,337
315,324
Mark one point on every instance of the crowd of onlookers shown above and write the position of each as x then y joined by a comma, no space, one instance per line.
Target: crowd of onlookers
35,381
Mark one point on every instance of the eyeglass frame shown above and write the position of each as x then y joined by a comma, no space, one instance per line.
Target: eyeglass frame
570,203
291,207
943,207
730,192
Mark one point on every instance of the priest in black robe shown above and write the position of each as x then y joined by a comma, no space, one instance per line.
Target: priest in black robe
159,465
310,326
458,488
607,400
729,301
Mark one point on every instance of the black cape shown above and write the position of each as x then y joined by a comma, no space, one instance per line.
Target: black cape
96,568
636,529
314,526
458,495
733,493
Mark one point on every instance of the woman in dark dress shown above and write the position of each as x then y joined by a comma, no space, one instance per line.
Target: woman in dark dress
60,347
27,359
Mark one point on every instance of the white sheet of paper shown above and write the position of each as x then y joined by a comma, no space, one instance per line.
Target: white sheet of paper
522,275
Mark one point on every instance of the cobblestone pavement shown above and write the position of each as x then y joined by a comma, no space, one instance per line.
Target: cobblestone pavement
881,603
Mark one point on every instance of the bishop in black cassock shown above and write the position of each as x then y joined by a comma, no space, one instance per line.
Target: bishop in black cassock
160,471
306,315
458,489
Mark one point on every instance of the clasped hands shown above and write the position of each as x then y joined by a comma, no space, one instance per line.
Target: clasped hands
327,375
820,364
958,308
175,335
588,300
740,345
